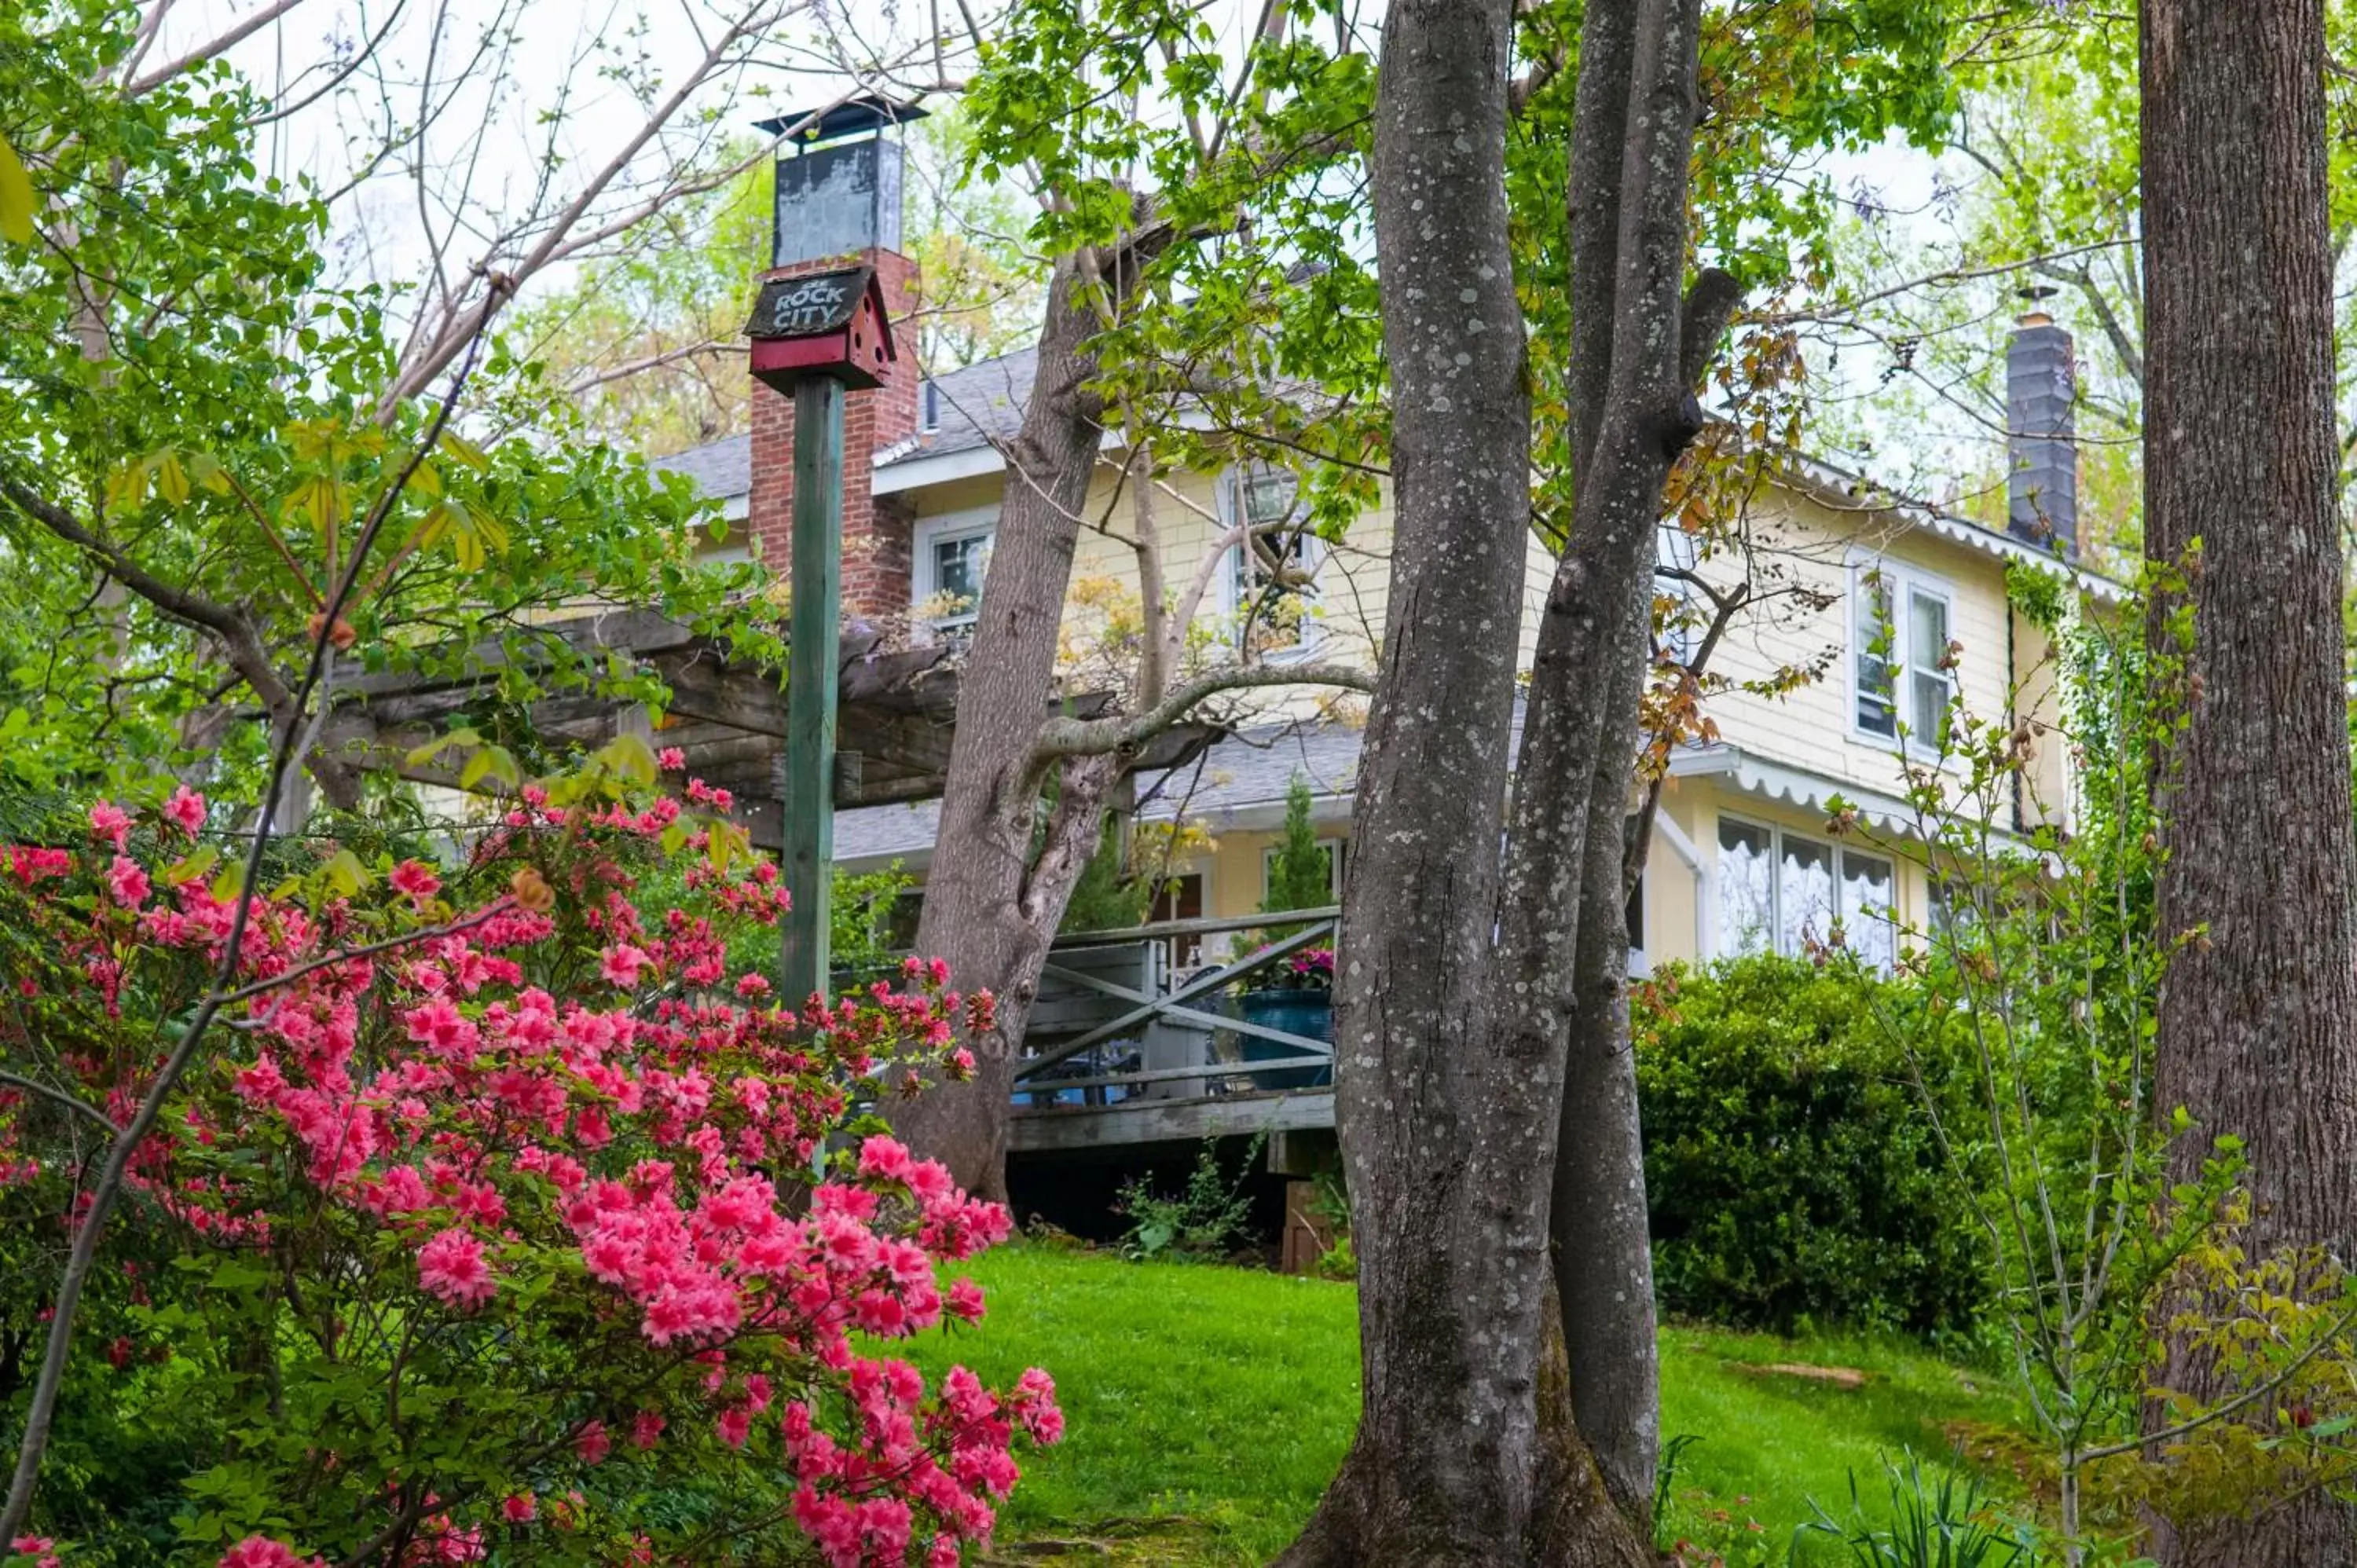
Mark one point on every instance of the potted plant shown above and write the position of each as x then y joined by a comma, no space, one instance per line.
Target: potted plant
1299,998
1297,994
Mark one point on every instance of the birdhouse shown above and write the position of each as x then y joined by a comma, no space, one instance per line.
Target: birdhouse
824,324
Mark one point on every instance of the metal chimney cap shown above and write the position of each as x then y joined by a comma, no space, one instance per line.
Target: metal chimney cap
868,113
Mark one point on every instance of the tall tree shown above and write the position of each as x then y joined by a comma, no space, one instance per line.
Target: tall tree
1171,357
1465,956
2258,1010
1446,1136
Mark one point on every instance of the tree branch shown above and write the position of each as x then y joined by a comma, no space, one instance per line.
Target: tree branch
219,44
1080,738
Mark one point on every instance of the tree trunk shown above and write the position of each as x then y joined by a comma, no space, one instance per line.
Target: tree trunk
1602,1244
1637,350
994,896
1446,1102
2257,1014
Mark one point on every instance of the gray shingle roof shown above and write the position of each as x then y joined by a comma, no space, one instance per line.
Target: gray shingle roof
721,469
1239,783
979,404
871,837
1254,768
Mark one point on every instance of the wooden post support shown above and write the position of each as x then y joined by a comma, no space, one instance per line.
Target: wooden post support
812,675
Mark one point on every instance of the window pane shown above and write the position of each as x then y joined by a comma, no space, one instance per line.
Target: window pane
1804,896
1866,910
1927,628
1675,612
1747,909
1927,682
1877,708
958,567
1267,494
1635,916
1275,589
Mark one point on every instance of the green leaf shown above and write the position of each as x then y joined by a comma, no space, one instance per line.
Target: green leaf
194,864
17,204
207,470
434,748
466,451
630,757
492,761
346,874
320,498
171,479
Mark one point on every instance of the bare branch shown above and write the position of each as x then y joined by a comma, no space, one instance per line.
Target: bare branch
590,379
1061,738
219,44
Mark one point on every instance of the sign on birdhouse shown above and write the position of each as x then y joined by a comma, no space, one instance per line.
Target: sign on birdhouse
827,323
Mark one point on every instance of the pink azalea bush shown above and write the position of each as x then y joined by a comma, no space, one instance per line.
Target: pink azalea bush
427,1225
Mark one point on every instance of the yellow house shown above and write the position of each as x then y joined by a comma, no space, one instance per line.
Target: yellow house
1897,609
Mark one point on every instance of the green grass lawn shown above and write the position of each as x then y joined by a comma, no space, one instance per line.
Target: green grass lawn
1207,1407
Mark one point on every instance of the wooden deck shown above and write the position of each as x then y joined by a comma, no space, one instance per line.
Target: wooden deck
1127,1047
1173,1121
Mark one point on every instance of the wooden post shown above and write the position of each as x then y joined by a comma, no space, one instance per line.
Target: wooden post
811,679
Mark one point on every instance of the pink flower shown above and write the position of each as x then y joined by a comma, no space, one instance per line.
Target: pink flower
646,1428
127,882
27,1545
593,1444
965,1300
522,1508
671,759
735,1423
261,1552
186,809
413,877
109,821
451,1266
621,963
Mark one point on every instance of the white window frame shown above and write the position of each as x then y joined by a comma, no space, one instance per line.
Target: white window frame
1676,549
949,527
1233,601
1333,865
1904,582
1838,854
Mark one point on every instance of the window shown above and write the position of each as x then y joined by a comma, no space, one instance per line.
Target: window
952,557
1676,614
1333,848
1795,894
1905,674
1272,577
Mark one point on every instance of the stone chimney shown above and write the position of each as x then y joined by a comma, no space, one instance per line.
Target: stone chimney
838,202
2041,491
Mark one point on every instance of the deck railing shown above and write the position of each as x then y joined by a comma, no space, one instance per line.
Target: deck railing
1100,988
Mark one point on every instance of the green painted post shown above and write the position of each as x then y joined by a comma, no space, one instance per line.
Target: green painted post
812,677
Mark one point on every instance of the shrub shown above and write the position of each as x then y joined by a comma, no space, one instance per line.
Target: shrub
1204,1223
490,1173
1790,1169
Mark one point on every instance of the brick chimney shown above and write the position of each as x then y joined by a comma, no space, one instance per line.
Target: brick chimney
2041,491
838,202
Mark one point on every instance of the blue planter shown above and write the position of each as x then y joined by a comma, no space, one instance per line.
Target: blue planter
1309,1014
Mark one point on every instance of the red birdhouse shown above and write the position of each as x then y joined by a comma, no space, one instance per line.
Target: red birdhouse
824,324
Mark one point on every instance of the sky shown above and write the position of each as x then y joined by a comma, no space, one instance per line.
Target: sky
488,153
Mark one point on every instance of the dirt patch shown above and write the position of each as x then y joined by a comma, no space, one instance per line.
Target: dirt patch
1833,1377
1174,1541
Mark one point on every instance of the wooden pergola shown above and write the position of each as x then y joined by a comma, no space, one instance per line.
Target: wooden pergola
897,714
